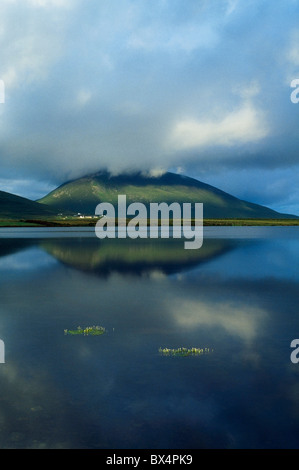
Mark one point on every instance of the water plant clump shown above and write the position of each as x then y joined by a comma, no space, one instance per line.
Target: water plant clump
184,351
86,331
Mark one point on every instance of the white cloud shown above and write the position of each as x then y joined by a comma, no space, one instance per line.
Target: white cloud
249,90
293,52
51,3
31,40
184,38
237,320
194,37
231,6
290,57
83,97
41,3
244,125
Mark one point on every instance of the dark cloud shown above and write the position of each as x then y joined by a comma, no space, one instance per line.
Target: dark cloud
125,85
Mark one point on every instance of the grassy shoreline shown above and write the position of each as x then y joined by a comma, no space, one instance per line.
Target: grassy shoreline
78,222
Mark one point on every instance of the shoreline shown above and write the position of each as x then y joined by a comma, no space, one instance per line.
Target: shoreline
5,223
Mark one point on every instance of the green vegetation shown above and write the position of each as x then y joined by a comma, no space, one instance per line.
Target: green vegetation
86,331
250,222
84,194
183,352
88,222
73,204
14,207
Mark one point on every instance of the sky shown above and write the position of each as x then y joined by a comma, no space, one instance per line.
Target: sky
198,87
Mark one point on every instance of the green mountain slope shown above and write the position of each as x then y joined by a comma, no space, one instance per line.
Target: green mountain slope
17,207
83,194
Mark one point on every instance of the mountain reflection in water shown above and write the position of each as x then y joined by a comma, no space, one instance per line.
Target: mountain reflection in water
103,257
127,256
237,295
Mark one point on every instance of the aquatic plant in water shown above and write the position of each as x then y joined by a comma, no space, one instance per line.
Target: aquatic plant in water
87,331
184,351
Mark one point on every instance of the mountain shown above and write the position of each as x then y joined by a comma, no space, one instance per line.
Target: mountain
17,207
83,194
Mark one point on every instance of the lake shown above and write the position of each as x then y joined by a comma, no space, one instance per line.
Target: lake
236,299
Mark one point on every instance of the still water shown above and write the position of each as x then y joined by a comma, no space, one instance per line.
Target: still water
237,295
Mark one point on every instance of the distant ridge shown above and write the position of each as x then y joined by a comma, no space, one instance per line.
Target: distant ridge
83,194
17,207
